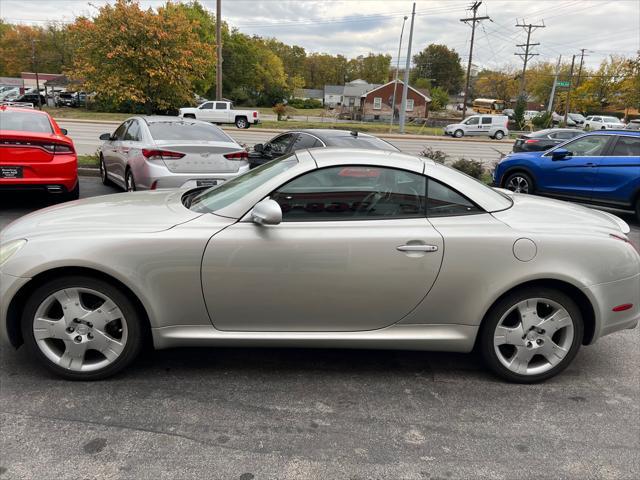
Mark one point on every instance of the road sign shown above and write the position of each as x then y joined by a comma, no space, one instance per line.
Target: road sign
563,84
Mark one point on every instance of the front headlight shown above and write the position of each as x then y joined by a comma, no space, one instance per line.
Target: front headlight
8,249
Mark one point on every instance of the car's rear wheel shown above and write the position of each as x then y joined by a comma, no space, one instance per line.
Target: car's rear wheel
129,182
74,193
242,122
104,177
531,335
81,328
519,182
499,135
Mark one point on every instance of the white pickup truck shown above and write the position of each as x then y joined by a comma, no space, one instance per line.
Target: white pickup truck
221,112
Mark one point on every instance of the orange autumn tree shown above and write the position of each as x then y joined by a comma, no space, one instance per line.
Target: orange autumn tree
145,57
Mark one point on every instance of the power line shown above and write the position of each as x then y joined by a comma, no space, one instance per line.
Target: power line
527,54
475,19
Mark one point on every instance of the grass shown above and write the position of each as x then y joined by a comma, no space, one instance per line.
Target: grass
372,127
83,114
88,161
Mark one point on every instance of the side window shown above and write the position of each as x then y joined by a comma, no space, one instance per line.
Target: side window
221,106
206,106
591,146
352,193
563,135
133,132
377,103
442,201
305,141
486,120
409,104
627,147
472,121
119,133
278,146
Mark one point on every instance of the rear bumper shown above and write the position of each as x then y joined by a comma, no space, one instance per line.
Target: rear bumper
610,295
158,176
62,171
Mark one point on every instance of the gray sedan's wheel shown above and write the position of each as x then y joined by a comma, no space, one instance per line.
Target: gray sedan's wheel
129,182
519,182
103,172
531,335
638,208
81,328
458,134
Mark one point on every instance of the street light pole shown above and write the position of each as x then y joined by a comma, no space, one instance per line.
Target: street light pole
405,87
395,81
219,50
35,69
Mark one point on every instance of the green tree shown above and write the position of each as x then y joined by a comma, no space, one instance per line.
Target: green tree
441,65
129,55
518,112
322,69
439,98
372,68
498,85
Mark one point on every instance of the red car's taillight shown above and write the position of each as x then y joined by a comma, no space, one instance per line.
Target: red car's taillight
161,154
241,155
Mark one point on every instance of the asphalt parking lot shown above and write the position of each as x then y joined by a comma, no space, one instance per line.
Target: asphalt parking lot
326,414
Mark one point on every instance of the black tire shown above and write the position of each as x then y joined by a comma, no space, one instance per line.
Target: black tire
74,194
638,208
487,331
514,179
103,172
603,128
499,135
189,115
458,133
242,122
135,333
129,182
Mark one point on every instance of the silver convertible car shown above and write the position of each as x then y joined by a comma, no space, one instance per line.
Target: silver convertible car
322,248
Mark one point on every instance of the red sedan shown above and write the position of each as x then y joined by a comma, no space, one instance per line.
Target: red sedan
36,154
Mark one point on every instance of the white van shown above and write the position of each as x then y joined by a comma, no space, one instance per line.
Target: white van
494,126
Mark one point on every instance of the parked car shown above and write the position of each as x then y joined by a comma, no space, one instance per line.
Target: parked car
633,125
601,122
222,112
573,119
149,153
544,139
494,126
31,98
509,112
291,141
66,99
531,114
36,154
327,247
600,168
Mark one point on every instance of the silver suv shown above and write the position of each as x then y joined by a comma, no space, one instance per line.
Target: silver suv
494,126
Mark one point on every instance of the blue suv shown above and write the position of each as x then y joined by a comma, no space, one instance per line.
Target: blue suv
601,168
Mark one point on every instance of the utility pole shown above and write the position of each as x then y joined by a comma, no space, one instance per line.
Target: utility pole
395,85
527,54
35,69
553,88
405,87
566,107
475,19
219,49
582,55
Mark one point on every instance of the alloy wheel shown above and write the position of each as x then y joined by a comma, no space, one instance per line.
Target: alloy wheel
518,184
533,336
80,329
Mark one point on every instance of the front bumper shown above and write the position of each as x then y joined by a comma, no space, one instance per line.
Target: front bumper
606,296
9,286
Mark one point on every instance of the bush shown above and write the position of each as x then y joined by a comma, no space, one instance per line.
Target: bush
518,112
473,168
305,103
543,120
282,111
436,155
439,99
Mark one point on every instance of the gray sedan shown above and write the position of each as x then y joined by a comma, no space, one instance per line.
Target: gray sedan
149,153
322,248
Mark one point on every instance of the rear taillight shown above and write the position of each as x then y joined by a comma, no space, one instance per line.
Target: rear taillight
57,148
241,155
255,114
161,154
531,140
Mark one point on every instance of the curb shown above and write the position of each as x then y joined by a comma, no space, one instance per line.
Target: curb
394,136
88,172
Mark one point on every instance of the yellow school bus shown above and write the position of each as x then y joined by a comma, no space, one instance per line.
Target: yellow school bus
488,105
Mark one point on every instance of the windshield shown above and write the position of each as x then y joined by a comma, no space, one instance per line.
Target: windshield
576,116
186,130
224,195
610,119
24,121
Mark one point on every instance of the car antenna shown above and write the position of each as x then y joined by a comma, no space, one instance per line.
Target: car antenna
354,133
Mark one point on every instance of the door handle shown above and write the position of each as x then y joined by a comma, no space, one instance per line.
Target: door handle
417,248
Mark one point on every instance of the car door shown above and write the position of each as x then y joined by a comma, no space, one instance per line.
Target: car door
112,154
472,126
573,175
206,112
129,150
220,113
354,252
618,171
484,127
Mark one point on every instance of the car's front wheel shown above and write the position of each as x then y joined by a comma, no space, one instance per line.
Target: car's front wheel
81,328
104,177
519,182
531,335
458,133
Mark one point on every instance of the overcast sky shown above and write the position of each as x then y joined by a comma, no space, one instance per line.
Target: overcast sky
357,27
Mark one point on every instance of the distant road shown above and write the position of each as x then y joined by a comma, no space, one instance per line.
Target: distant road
85,137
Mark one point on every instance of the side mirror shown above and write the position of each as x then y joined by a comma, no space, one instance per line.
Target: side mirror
560,154
267,212
258,148
64,131
105,136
